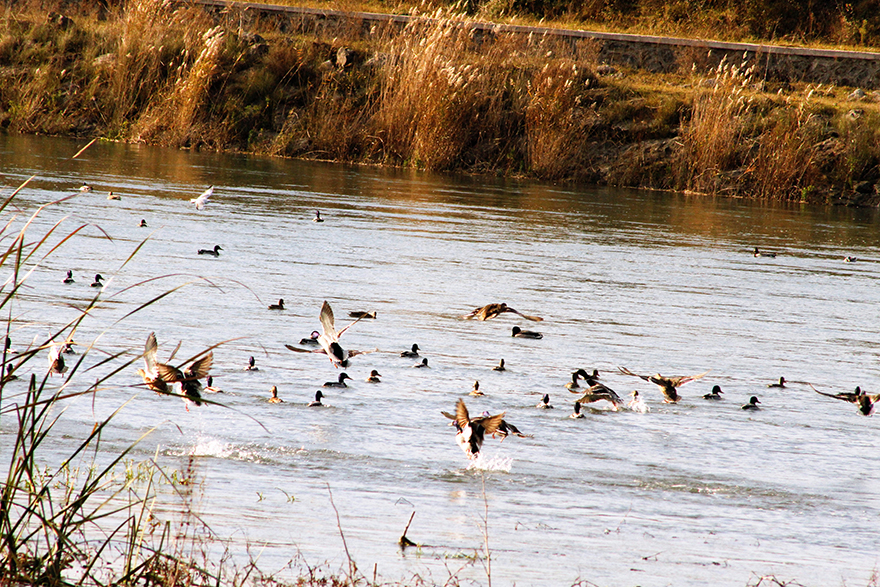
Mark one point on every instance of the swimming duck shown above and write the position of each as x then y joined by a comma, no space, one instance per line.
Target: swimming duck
202,200
374,377
278,306
760,254
414,352
752,405
781,383
329,340
715,393
667,385
317,403
275,399
490,311
210,387
470,433
150,372
143,223
368,315
499,366
86,188
601,392
112,196
9,376
56,361
577,411
252,365
476,389
313,338
637,404
67,348
544,404
339,383
97,282
317,217
214,253
573,384
190,386
850,259
422,365
69,278
519,333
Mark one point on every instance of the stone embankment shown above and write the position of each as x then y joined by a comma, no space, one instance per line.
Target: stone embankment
654,54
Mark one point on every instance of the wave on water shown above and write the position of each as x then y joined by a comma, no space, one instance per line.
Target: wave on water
483,463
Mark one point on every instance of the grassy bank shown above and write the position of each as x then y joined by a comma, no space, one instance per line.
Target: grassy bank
430,97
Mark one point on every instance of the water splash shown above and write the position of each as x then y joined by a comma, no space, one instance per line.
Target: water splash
211,447
483,463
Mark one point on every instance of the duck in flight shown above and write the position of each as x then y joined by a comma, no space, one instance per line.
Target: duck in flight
667,385
215,252
150,372
490,311
202,201
190,386
600,392
470,433
862,400
329,340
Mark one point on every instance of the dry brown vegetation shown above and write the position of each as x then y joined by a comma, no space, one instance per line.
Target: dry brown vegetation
433,95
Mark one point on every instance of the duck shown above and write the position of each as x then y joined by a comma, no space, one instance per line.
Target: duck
252,365
143,223
637,404
847,396
505,429
339,383
317,403
202,201
274,399
850,259
780,383
374,377
520,333
85,188
67,348
422,365
577,411
69,278
312,340
9,375
278,306
56,360
668,385
867,402
112,196
499,366
752,405
150,372
760,254
412,353
470,433
601,392
97,282
329,340
210,387
715,394
490,311
317,217
476,389
573,384
190,386
362,315
544,404
214,253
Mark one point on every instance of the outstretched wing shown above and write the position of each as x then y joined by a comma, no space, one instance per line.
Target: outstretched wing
461,414
299,350
679,381
150,349
491,424
328,323
626,371
526,316
199,369
202,200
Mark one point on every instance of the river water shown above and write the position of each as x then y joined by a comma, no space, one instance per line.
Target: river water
694,493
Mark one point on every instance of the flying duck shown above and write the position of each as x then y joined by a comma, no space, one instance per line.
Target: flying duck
505,429
601,392
544,404
150,372
374,377
519,333
847,396
202,200
499,366
715,393
190,386
278,306
274,399
214,253
414,352
667,385
752,405
490,311
329,340
339,383
69,278
470,433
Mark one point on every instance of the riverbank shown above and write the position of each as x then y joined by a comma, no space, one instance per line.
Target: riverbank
433,96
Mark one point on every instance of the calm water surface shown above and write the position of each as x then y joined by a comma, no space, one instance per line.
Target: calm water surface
695,493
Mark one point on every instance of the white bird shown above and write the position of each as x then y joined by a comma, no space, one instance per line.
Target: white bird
56,361
150,373
329,340
637,404
202,200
